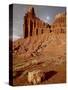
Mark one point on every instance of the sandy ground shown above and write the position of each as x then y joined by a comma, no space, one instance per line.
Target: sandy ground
45,53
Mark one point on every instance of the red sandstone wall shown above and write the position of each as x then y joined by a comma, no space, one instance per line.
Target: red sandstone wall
59,25
34,26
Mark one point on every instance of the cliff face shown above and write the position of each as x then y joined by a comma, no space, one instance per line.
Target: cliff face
59,24
33,25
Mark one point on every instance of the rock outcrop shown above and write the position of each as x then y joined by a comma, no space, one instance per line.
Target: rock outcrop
33,25
35,77
59,24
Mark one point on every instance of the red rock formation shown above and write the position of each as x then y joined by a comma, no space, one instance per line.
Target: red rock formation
59,24
33,25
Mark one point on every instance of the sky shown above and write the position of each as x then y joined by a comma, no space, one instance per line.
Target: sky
45,13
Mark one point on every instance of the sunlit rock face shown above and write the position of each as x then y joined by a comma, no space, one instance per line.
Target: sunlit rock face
35,77
33,25
59,24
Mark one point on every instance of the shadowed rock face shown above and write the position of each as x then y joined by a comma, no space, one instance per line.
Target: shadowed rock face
49,74
33,25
